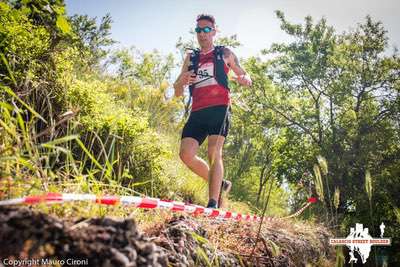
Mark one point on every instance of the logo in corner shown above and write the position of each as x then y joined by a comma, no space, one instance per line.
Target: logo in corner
360,241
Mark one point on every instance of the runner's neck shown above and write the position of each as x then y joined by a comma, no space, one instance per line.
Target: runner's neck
206,51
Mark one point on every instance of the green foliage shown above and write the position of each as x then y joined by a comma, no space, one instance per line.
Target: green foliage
35,33
25,165
99,109
75,117
202,257
59,66
137,147
336,95
275,249
336,199
145,85
199,238
340,259
147,69
318,182
23,44
91,39
49,13
368,184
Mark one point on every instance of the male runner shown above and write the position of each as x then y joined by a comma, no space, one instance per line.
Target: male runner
205,72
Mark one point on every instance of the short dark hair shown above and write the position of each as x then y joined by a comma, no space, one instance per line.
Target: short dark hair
208,17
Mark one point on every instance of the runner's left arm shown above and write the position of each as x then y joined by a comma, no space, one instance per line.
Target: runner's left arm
233,63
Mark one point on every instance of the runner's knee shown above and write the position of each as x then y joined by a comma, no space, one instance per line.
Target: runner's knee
186,156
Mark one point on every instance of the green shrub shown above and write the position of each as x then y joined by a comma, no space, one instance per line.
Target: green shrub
126,142
23,45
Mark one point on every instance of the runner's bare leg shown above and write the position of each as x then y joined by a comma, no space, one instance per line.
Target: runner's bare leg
215,145
188,154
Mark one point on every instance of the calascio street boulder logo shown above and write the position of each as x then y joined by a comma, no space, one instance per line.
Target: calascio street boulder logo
360,241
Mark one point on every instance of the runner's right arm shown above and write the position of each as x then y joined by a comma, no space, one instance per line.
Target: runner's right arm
185,78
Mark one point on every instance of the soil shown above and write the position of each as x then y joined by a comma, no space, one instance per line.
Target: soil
26,234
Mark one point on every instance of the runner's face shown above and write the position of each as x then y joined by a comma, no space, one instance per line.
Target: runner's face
205,39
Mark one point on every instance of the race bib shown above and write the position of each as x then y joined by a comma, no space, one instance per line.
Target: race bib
203,75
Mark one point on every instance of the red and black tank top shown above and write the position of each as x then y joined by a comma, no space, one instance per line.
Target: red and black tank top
208,93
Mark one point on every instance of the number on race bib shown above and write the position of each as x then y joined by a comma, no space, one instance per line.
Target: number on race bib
203,73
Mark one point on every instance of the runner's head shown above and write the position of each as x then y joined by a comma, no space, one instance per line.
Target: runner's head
205,30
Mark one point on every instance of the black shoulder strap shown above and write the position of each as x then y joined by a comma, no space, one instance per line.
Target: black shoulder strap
219,63
194,65
219,66
219,49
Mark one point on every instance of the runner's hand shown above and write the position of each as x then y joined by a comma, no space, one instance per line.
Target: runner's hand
243,80
187,78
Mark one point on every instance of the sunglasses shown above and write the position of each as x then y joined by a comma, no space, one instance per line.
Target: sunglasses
205,29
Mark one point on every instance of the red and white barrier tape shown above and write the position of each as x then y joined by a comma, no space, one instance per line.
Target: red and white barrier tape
145,203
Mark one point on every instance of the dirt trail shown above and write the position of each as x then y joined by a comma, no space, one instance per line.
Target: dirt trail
26,234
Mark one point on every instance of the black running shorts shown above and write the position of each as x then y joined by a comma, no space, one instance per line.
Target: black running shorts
208,121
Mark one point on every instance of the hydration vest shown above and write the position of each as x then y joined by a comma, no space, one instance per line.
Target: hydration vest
219,71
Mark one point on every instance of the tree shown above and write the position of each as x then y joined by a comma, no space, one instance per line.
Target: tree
336,95
91,39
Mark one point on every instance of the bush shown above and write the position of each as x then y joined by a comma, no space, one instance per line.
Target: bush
22,44
125,141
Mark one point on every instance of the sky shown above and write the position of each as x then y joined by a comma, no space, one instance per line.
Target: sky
157,24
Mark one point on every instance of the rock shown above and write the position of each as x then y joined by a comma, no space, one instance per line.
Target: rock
104,241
